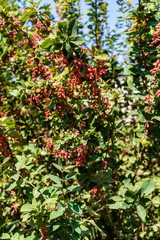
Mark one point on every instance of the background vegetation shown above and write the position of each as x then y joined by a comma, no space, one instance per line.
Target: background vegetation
79,131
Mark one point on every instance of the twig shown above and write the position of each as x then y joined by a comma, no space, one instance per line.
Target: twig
33,187
27,230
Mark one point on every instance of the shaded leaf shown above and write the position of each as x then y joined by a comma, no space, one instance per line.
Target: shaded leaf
62,26
74,188
70,176
68,47
128,183
84,230
59,167
72,27
75,208
147,187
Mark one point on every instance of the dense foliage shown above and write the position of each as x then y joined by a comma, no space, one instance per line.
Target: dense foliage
79,133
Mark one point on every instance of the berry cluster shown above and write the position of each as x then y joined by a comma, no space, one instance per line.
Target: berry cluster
4,147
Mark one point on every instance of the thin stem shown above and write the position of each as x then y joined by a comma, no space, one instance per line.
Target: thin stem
96,25
141,44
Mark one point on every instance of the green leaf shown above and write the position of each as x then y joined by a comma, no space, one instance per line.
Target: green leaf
11,186
102,143
130,83
31,237
156,201
74,188
122,191
125,205
69,167
116,198
59,167
70,176
55,179
151,23
109,180
74,225
80,229
52,104
50,201
156,118
147,187
102,56
25,217
5,160
68,47
16,237
78,40
141,212
32,148
155,228
55,227
21,162
141,117
75,208
87,110
75,236
129,196
28,14
95,225
72,27
108,173
116,205
62,26
15,176
14,92
61,207
28,208
61,71
6,236
36,193
128,183
48,42
55,214
84,230
134,71
145,202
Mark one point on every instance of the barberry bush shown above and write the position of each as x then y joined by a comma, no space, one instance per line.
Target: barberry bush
79,133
